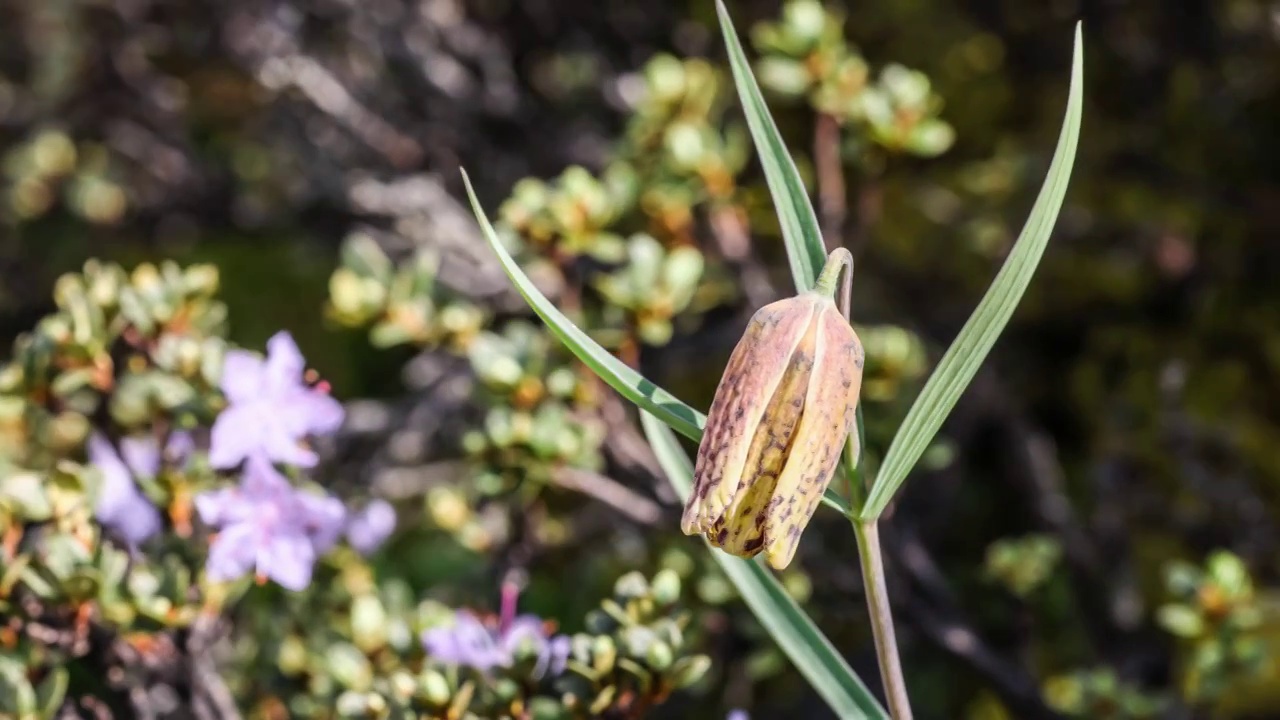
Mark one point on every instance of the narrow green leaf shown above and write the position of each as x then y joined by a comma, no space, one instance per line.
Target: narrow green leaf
811,652
962,359
632,385
800,230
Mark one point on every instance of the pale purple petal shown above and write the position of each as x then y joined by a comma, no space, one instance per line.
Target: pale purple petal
103,455
738,715
135,521
526,628
242,373
233,552
120,506
528,632
467,642
217,507
287,558
471,643
558,649
284,365
236,435
271,408
261,478
230,506
322,519
141,454
311,412
280,443
179,448
370,527
269,527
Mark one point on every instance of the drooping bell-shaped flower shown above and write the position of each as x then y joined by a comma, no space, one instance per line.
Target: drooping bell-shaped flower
776,428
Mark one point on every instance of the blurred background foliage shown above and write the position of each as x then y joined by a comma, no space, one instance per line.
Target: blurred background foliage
1094,535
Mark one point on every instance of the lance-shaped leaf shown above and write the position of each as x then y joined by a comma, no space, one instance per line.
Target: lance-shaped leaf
800,230
960,363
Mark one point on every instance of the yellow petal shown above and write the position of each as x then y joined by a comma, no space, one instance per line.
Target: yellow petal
740,531
755,370
829,411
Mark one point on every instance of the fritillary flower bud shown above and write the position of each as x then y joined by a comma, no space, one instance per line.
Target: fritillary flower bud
777,426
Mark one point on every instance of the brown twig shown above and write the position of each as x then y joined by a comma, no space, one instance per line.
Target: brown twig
610,492
208,688
832,203
732,238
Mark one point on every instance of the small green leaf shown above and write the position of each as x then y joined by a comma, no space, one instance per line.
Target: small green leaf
1180,620
51,692
805,250
979,334
811,652
631,384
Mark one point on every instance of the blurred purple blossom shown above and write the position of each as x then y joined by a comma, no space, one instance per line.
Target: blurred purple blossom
268,527
737,715
271,409
482,646
121,507
369,528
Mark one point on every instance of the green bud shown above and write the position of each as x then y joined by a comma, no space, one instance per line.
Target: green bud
362,254
668,631
68,431
638,639
689,670
368,623
1181,621
24,493
603,700
666,587
351,704
201,280
104,284
349,666
631,585
784,75
659,656
292,657
72,381
603,654
402,685
434,688
805,19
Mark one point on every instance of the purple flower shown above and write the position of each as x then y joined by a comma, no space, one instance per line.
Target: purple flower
121,507
473,643
268,527
369,528
737,715
271,409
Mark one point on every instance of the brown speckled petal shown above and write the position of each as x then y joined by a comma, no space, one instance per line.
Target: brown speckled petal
740,531
752,377
828,417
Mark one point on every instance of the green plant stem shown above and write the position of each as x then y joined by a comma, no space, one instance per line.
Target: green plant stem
895,687
838,260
